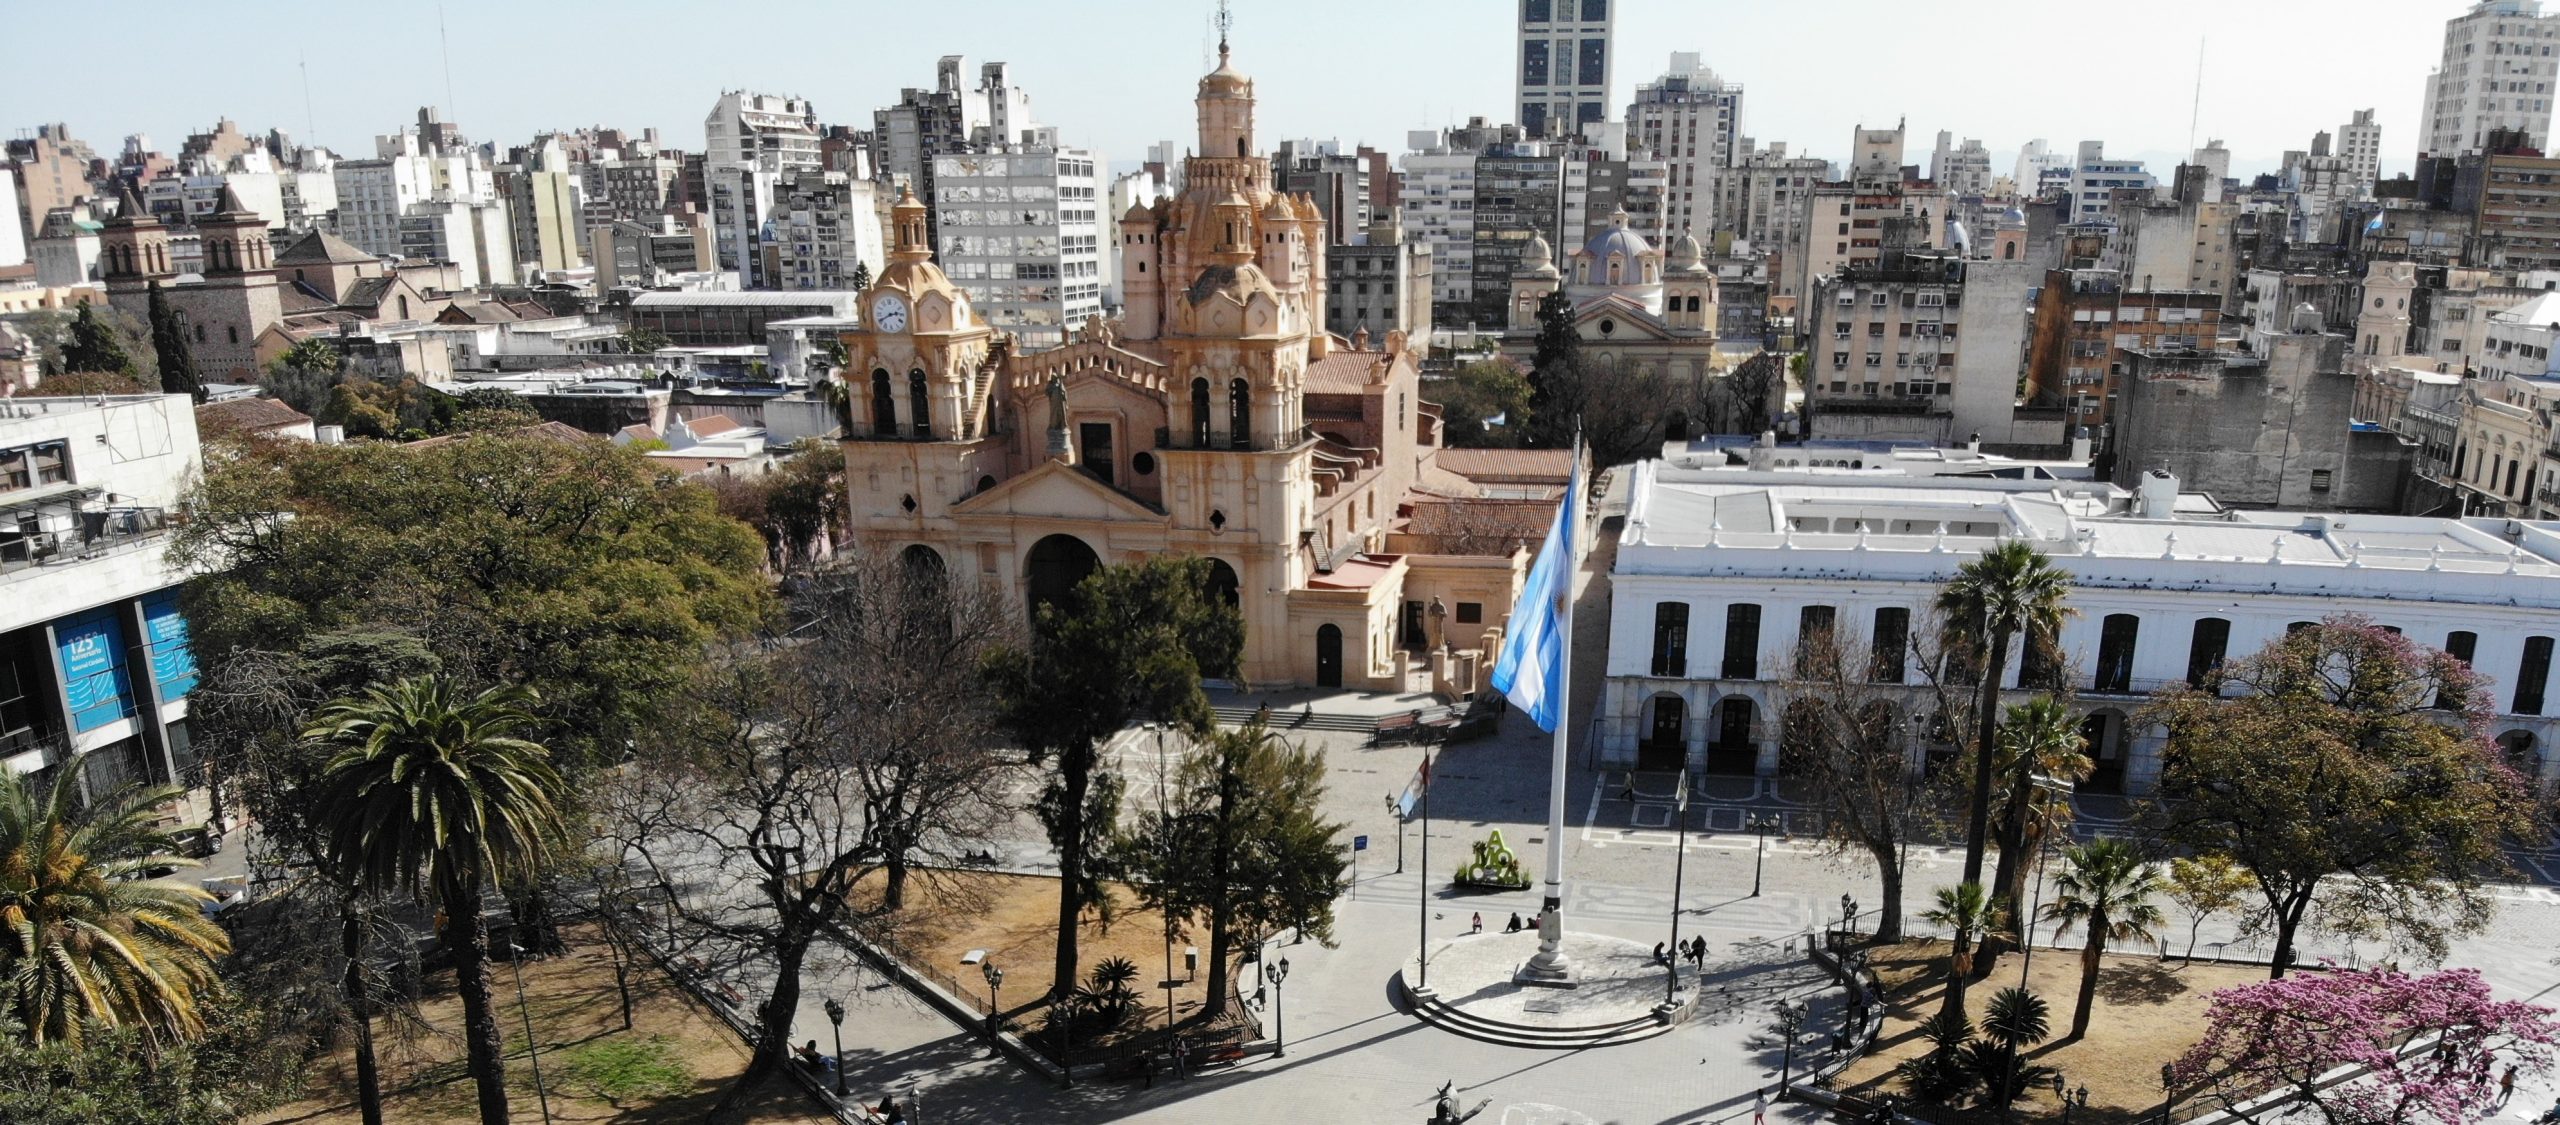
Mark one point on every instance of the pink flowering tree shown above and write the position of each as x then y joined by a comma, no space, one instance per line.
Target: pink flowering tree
2286,1035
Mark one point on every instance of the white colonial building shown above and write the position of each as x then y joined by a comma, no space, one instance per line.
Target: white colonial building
1722,571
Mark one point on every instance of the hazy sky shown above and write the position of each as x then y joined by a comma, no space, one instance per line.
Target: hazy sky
1117,75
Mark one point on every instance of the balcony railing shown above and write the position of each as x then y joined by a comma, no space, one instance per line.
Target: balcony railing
76,536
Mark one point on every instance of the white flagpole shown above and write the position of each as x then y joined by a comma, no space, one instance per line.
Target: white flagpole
1550,965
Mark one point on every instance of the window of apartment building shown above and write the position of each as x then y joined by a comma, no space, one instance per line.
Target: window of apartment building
2532,674
1671,639
1742,641
1892,638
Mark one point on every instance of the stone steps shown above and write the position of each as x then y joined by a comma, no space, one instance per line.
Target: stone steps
1289,720
1447,1017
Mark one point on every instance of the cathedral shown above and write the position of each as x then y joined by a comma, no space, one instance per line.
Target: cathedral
1631,302
1215,418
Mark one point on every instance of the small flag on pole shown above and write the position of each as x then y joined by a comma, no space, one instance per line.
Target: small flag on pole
1531,669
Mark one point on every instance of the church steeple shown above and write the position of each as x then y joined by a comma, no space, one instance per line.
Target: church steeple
1226,110
908,241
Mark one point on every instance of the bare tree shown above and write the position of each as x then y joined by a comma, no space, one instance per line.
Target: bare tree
1845,736
1740,401
804,767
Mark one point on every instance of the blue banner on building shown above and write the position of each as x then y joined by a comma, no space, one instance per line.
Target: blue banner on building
90,648
173,663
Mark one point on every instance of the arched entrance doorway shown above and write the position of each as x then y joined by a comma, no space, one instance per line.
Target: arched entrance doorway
2102,739
1665,745
1731,749
1223,583
1055,567
2523,754
922,565
1329,656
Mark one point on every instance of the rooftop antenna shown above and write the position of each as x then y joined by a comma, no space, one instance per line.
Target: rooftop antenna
2195,111
310,118
445,44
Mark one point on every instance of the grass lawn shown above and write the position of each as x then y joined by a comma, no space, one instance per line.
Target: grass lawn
2147,1012
672,1066
1014,918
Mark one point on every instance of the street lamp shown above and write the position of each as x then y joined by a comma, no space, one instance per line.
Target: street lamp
835,1016
1279,971
2168,1093
1791,1019
532,1048
1761,824
1679,876
1067,1007
995,985
2068,1098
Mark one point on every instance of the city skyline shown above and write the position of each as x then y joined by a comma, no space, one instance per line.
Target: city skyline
2139,98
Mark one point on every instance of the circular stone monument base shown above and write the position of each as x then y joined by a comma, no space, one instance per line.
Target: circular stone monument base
1616,995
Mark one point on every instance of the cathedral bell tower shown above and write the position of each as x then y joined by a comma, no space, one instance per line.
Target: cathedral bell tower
912,368
133,249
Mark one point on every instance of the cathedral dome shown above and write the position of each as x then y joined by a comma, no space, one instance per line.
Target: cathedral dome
1280,211
1226,81
2013,219
1618,239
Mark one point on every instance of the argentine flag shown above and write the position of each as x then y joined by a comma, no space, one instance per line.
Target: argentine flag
1531,669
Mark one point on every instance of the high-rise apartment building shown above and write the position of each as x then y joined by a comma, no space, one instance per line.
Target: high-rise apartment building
451,193
1691,121
546,204
2360,145
824,225
2095,180
1022,236
53,171
1763,197
1846,221
1519,195
1563,66
948,118
2498,70
1339,182
1965,170
777,132
1439,208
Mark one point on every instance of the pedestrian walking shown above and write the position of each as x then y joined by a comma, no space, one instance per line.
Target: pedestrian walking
1661,956
1147,1069
2507,1084
1760,1107
1476,925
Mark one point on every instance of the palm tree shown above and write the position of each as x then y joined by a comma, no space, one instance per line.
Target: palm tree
2109,887
432,792
2038,742
1968,910
83,942
2015,1020
2012,589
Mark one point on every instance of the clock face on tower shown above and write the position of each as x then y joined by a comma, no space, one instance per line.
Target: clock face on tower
888,313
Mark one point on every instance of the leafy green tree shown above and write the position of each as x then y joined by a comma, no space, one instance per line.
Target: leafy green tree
169,342
1969,911
87,943
1244,851
1475,396
2012,589
431,792
1555,374
1132,642
2333,776
242,1063
861,278
1940,1076
794,508
95,345
2107,888
643,340
2204,886
305,375
576,569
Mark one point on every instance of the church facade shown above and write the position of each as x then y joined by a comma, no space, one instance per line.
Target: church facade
1216,418
1632,303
